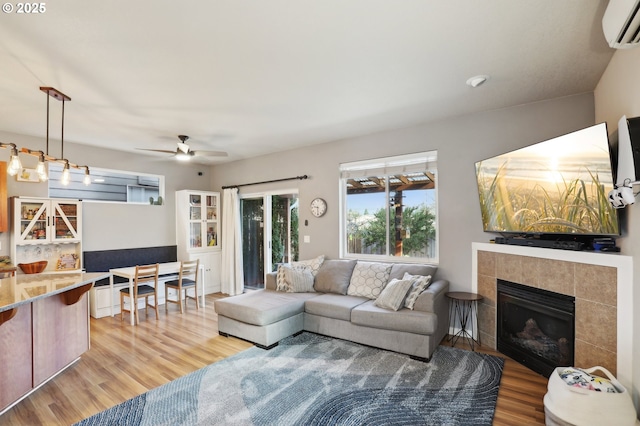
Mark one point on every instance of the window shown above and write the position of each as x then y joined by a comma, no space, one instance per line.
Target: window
389,208
107,185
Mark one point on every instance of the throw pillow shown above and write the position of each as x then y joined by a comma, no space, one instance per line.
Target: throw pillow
300,280
393,294
293,278
313,264
420,284
399,269
368,279
281,283
334,276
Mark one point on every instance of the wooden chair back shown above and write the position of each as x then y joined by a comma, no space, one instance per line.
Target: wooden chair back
189,269
145,274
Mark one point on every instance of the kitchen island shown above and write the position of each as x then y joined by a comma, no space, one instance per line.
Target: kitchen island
44,328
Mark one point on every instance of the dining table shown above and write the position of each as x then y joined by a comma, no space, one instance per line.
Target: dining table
167,268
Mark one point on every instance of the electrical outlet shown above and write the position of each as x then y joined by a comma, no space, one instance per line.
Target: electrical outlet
307,239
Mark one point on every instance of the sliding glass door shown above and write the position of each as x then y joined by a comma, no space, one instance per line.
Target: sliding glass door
269,233
252,211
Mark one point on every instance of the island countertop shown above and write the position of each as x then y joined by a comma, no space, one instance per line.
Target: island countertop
26,288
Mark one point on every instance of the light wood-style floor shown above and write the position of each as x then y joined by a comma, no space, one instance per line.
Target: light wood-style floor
125,361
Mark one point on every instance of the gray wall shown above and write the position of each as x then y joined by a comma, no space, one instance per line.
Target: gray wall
460,141
618,94
113,225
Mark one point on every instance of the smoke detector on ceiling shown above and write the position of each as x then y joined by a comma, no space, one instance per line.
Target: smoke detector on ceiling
477,80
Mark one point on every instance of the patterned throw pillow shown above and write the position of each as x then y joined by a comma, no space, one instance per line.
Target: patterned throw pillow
313,264
289,275
368,279
300,280
393,294
419,284
281,283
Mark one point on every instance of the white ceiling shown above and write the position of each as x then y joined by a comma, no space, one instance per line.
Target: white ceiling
256,76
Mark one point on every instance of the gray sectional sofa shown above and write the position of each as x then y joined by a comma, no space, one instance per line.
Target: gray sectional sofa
342,304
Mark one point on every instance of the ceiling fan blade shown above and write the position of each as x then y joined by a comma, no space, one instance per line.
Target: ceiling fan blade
157,150
210,153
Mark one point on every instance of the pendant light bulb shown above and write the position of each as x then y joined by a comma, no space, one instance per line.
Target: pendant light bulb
14,163
66,174
41,168
87,177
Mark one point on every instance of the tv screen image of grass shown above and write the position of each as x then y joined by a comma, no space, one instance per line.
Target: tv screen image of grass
559,186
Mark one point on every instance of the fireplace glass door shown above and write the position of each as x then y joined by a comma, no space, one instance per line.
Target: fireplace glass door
535,327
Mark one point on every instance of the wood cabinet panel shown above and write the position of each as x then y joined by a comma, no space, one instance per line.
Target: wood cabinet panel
60,335
4,210
15,356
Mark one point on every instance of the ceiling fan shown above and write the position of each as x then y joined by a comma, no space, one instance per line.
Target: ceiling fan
184,152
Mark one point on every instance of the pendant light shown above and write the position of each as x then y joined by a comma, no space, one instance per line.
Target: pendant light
15,166
41,168
87,177
66,174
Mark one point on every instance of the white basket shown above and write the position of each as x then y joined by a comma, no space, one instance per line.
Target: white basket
569,405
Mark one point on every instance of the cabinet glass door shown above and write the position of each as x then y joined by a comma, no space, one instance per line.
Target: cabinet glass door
195,221
211,220
33,222
65,221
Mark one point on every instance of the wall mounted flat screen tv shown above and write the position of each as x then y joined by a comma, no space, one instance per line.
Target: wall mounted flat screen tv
559,186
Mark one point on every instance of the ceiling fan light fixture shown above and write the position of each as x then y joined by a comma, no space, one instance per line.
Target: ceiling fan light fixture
182,156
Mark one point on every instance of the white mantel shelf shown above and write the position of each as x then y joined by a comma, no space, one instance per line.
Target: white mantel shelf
624,267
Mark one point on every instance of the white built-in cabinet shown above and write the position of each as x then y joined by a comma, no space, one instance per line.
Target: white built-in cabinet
47,229
197,233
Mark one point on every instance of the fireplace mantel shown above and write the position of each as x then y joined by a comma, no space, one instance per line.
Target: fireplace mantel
514,263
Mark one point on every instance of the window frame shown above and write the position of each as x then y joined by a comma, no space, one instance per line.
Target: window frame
77,187
390,163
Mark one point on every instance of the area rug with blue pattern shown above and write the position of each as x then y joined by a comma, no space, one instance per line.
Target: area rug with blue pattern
316,380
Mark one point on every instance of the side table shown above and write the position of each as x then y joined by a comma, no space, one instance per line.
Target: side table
464,307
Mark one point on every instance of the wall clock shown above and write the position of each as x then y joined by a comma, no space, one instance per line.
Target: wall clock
318,207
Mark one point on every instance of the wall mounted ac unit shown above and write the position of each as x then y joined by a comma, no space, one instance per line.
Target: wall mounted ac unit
621,23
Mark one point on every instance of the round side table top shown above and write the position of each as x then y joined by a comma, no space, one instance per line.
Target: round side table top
461,295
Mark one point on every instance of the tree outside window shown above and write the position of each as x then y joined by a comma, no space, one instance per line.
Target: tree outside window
391,214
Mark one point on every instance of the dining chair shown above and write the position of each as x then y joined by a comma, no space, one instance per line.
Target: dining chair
144,274
187,279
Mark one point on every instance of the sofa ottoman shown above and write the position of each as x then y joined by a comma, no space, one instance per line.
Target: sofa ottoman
263,317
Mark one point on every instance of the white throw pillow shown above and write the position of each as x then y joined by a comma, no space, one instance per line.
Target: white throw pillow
393,294
420,284
313,264
368,279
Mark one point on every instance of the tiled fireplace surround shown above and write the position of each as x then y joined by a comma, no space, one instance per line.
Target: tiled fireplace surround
601,284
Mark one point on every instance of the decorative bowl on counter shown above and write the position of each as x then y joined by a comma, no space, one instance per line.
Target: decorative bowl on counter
33,267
